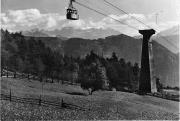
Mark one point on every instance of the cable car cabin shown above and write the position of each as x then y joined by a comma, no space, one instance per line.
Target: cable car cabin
72,14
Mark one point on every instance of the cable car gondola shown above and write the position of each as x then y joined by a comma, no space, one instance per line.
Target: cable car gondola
72,13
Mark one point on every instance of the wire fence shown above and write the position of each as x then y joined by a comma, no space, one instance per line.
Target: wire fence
40,102
166,96
61,103
14,74
36,101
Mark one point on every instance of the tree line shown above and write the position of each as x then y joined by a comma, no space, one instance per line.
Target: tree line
93,72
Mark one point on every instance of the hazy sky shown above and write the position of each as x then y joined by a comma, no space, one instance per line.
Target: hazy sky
50,14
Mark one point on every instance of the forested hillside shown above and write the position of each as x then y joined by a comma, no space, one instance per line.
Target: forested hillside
125,47
32,56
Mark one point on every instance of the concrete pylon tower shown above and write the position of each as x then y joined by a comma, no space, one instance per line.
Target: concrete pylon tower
146,83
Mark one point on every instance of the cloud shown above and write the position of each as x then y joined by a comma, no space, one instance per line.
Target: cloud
138,21
177,8
21,20
24,16
51,22
78,24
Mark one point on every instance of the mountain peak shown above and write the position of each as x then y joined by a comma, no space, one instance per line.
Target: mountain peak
35,33
90,33
70,32
169,38
171,31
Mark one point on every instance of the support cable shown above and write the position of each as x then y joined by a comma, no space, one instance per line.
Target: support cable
105,15
110,4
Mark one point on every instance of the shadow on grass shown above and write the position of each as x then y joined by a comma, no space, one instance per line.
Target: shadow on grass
76,93
73,107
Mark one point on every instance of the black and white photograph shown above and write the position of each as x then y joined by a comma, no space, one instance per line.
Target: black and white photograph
89,60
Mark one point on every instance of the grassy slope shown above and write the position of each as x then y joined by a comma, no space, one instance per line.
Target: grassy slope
102,104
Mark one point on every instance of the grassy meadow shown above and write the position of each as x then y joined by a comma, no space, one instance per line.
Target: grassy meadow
101,105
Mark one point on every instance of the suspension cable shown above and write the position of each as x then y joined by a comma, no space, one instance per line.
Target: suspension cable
97,6
167,40
105,15
108,3
139,21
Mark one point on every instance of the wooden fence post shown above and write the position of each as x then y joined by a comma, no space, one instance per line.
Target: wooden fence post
1,72
62,103
52,80
10,95
40,100
15,74
7,74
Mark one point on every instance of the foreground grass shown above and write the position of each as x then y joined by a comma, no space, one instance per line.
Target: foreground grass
98,111
103,105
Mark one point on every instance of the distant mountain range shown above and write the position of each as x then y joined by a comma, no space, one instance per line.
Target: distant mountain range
169,39
165,62
172,35
76,42
35,33
70,32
